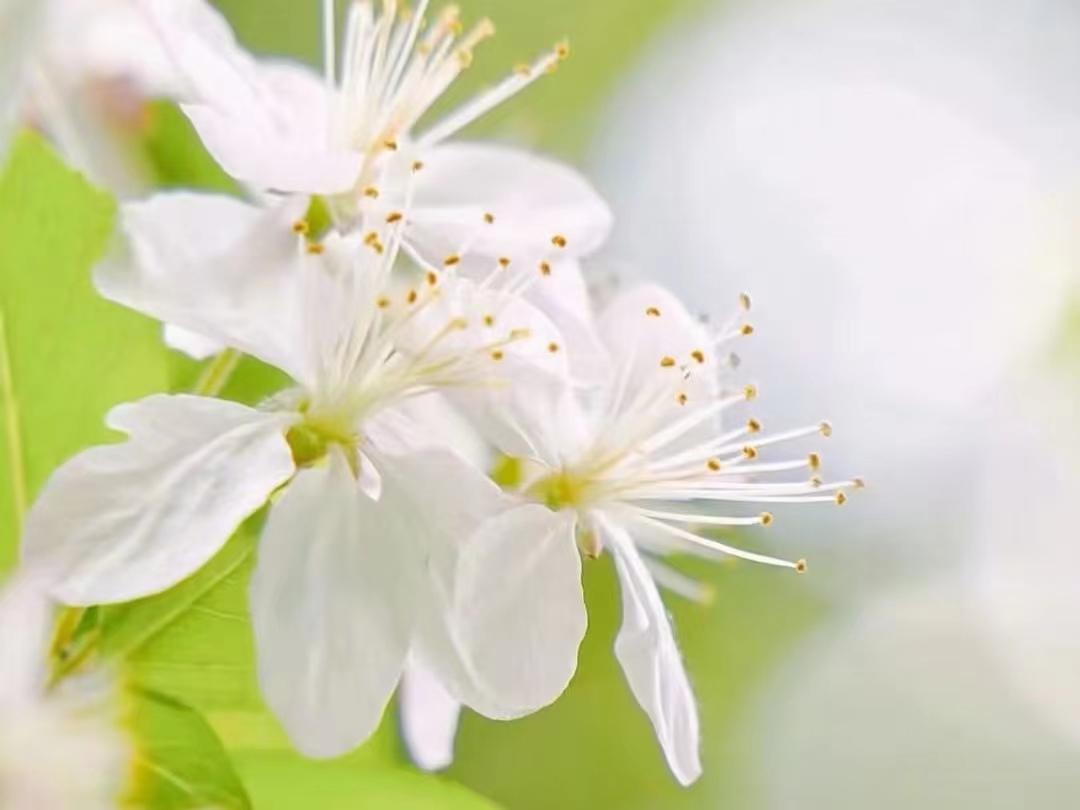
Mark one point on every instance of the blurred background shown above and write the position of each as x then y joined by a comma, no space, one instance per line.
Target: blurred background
897,185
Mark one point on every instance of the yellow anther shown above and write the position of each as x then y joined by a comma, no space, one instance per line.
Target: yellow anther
558,240
750,392
766,518
652,312
371,191
316,249
858,483
814,461
713,465
489,320
451,260
301,227
504,262
744,302
825,429
754,426
523,70
417,165
411,296
841,498
464,57
815,481
747,329
390,144
383,303
553,347
750,452
489,218
432,278
682,399
667,362
698,355
459,324
497,354
545,269
371,237
520,334
562,49
800,567
394,216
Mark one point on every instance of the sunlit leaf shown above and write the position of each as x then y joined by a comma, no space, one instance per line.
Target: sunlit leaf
66,354
180,763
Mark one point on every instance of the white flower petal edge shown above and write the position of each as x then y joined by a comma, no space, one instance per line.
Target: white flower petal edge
518,612
215,266
62,747
25,617
333,607
266,125
532,201
650,658
429,718
20,27
127,520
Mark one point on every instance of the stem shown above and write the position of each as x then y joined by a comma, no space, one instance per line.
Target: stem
216,375
12,429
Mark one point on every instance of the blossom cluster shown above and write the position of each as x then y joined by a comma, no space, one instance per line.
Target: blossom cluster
425,297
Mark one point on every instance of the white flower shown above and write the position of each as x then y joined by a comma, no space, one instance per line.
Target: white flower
349,135
358,561
84,69
21,22
61,746
655,441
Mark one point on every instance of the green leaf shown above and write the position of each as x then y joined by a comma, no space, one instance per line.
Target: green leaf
283,781
66,354
176,154
193,641
180,763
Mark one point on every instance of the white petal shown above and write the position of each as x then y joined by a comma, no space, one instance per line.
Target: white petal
637,338
255,154
429,718
25,623
191,343
332,603
646,649
20,28
518,612
564,297
532,199
132,519
265,123
218,267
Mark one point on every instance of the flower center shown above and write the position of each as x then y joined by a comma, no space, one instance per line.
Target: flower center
563,489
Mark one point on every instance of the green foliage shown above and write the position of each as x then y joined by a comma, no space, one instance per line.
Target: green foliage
180,764
66,354
284,781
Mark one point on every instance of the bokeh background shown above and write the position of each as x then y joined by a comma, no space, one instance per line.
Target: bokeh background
897,185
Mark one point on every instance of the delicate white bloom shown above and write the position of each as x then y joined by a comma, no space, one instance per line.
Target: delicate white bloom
61,746
618,475
363,557
85,68
349,135
21,22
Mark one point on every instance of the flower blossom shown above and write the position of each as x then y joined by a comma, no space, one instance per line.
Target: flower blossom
638,472
61,745
351,137
359,554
